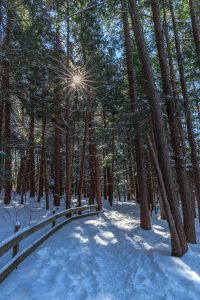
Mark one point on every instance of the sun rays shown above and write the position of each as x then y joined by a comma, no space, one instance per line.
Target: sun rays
75,79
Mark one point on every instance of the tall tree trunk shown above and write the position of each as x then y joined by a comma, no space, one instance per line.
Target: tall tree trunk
1,135
42,173
110,185
188,116
68,166
7,150
105,177
31,155
95,169
195,27
170,219
46,188
178,249
105,185
188,216
92,170
19,175
57,160
130,168
82,166
68,128
7,111
57,133
45,181
97,178
174,87
145,222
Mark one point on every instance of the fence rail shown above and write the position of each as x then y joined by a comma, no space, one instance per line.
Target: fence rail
13,241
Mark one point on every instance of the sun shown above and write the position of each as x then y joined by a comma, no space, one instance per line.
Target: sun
77,80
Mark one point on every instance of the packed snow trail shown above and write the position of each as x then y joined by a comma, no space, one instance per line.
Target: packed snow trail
107,258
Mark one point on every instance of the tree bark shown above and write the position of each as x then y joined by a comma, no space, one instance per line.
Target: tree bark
68,166
188,116
57,132
95,169
7,111
45,180
68,128
188,216
31,155
82,166
8,160
178,248
110,185
1,140
170,219
42,160
145,222
195,27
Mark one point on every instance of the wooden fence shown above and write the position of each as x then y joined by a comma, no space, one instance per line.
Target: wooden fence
13,241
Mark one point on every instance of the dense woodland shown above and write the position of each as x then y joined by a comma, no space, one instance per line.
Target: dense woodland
100,100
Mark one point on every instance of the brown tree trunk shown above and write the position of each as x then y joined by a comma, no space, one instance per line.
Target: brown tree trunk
68,128
92,171
130,168
41,178
42,174
8,161
188,216
46,188
57,133
170,219
150,186
68,167
82,166
5,86
57,161
105,177
195,27
179,245
31,155
174,87
110,185
95,169
97,178
105,185
1,134
188,116
145,222
19,175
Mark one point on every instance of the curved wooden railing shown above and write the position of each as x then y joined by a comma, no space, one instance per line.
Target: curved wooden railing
13,240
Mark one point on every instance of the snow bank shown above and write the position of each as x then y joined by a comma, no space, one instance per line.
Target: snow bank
107,258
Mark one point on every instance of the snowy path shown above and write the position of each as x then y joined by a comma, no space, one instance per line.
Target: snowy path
106,258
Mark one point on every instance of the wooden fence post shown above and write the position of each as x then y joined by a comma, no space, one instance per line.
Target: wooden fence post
54,221
16,247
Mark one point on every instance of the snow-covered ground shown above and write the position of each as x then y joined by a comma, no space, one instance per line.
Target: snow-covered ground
27,214
107,258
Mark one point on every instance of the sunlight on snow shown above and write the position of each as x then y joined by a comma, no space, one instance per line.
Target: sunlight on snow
184,270
161,231
81,238
105,238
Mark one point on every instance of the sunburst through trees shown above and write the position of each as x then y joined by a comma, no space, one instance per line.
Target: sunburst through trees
78,78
